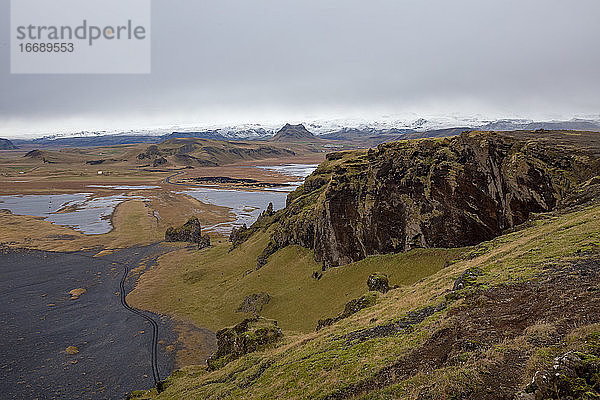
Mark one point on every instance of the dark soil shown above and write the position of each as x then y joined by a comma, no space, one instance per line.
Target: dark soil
565,296
38,321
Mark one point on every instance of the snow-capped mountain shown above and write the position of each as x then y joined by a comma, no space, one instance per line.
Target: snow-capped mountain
337,128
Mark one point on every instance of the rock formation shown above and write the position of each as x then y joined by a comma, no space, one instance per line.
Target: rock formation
249,335
352,307
205,152
574,375
450,192
191,231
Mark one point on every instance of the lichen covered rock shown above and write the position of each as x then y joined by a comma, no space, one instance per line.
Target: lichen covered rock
250,335
450,192
378,282
574,375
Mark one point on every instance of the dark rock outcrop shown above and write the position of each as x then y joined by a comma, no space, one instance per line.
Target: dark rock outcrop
159,161
463,284
191,231
574,375
450,192
95,162
401,325
39,155
249,335
6,144
378,282
238,235
254,303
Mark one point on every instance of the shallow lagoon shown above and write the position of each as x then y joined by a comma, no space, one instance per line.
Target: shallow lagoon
125,187
89,215
296,170
246,205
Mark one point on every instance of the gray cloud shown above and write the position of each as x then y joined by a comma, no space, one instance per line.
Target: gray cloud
268,59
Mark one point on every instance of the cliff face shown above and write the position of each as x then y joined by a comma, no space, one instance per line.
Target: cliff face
448,192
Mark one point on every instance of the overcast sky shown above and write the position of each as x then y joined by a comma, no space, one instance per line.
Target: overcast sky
232,61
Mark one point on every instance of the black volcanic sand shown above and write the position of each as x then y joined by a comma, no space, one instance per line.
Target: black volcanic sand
114,343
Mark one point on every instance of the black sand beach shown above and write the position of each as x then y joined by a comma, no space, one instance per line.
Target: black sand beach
39,320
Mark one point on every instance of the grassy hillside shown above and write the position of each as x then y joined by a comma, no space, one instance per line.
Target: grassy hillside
207,287
207,152
169,154
529,296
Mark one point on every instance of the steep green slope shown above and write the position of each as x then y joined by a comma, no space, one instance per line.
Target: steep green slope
207,287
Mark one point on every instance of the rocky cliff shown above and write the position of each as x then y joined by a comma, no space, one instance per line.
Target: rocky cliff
448,192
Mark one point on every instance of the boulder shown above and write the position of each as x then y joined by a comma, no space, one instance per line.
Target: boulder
467,278
250,335
378,282
574,375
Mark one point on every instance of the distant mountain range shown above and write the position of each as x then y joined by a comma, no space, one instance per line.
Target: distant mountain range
369,133
6,144
511,125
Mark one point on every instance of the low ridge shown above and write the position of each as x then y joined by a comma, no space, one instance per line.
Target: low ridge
6,144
